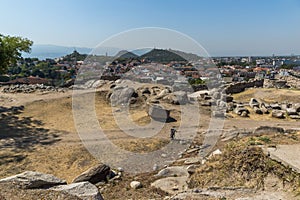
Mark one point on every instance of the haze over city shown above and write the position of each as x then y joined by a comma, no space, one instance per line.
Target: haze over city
223,28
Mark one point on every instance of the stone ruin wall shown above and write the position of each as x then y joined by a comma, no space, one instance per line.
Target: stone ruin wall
234,88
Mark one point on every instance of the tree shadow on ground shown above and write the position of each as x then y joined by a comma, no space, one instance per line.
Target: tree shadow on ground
22,133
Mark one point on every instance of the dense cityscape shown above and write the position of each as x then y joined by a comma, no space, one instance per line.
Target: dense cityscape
61,72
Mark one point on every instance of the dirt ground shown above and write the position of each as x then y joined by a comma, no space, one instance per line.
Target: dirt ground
269,95
42,135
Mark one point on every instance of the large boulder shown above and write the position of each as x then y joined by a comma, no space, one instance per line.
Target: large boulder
244,114
297,107
230,106
265,108
122,95
158,113
275,106
294,116
253,103
180,97
218,113
264,130
162,94
83,190
291,111
240,109
171,185
257,110
284,106
31,180
278,114
174,171
99,173
98,83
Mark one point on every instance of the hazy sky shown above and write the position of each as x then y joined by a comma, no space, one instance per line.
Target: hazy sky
222,27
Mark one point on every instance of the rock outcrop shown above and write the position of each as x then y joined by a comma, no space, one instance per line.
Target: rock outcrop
98,173
122,95
158,113
33,180
83,190
50,187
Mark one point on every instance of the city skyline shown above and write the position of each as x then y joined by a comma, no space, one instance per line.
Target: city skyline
223,28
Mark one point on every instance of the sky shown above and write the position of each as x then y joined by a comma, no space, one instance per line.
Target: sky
222,27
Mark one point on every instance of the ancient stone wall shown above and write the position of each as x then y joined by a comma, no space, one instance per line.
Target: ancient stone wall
234,88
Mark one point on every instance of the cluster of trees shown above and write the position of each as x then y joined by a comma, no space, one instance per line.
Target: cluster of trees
34,67
196,81
75,56
12,63
11,49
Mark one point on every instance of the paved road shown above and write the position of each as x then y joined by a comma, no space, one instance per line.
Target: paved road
287,154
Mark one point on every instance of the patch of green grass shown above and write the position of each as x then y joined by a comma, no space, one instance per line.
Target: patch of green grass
264,139
258,140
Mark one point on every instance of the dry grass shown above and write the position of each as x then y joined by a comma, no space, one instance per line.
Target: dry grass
273,140
269,95
63,161
55,113
65,156
242,164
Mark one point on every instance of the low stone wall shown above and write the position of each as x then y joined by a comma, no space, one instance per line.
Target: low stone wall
234,88
23,88
277,83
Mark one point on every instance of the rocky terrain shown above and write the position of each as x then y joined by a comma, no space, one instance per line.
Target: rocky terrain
283,82
43,157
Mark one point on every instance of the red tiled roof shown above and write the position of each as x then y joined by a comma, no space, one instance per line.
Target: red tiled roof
29,80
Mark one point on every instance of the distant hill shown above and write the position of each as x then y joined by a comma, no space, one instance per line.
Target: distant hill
125,55
162,56
75,56
187,56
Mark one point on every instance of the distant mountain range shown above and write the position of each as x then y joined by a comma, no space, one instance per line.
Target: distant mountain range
53,51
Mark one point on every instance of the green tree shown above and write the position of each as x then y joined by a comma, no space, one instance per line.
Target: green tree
11,49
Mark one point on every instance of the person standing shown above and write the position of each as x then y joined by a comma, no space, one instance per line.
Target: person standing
172,133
